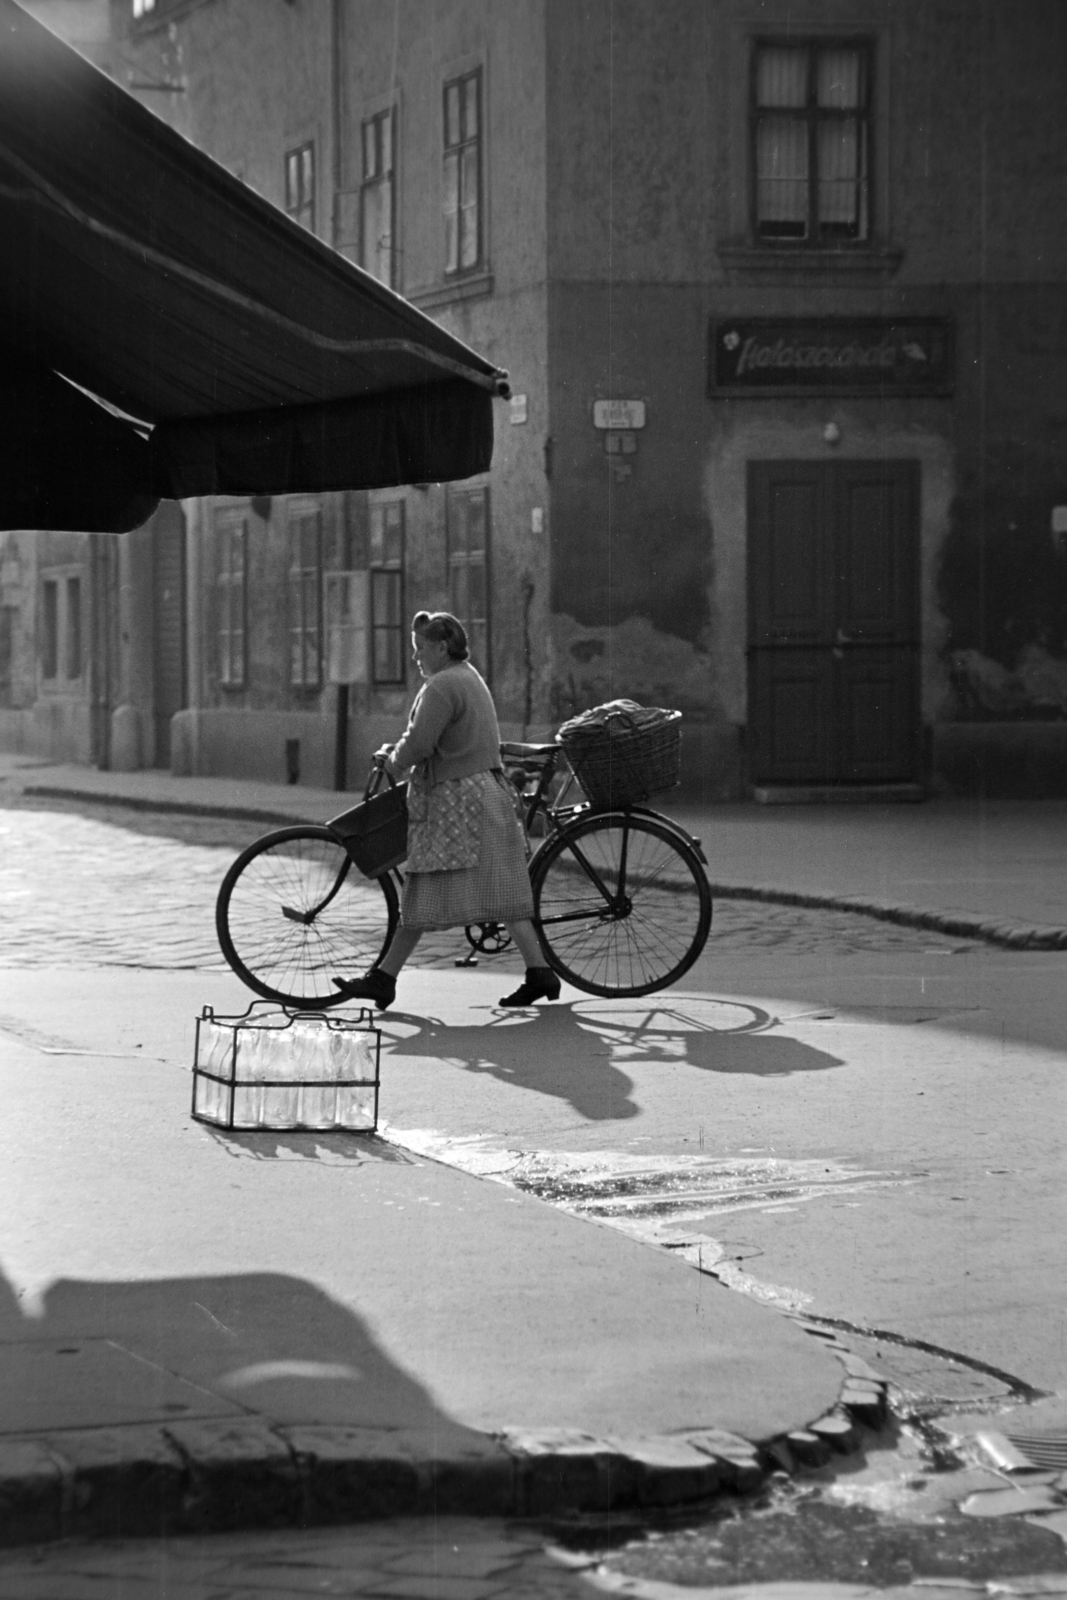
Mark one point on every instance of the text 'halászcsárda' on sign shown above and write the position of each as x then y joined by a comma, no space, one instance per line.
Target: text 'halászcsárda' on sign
905,356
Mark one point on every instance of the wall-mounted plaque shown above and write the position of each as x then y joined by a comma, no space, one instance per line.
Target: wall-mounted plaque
618,414
845,356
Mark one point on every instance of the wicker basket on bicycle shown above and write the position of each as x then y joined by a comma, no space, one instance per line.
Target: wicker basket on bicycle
622,752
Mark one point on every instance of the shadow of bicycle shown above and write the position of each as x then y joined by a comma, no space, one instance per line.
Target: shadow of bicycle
583,1052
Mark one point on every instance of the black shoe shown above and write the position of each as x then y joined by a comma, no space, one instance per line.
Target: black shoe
540,983
374,985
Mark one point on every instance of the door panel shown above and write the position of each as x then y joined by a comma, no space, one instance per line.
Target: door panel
790,601
875,552
792,738
877,715
833,621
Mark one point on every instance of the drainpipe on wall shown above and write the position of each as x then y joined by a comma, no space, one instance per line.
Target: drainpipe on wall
101,661
185,728
340,736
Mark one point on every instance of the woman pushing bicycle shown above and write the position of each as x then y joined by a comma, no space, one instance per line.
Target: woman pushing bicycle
466,860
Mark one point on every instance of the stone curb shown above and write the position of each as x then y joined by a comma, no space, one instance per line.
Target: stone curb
187,808
1004,931
243,1473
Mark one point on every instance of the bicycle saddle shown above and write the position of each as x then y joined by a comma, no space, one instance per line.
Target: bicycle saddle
528,751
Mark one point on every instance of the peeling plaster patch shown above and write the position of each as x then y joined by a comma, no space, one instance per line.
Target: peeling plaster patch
633,659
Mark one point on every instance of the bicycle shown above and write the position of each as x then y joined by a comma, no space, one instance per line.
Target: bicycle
621,897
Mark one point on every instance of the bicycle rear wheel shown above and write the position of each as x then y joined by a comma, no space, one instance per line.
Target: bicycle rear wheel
622,904
293,912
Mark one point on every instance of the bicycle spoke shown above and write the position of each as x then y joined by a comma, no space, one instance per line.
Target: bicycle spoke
623,905
306,870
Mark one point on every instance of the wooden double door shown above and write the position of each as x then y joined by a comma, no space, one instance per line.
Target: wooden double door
833,622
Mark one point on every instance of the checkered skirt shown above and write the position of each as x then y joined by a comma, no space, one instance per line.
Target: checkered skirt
496,890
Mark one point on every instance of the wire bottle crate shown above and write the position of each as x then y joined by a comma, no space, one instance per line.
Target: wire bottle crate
272,1067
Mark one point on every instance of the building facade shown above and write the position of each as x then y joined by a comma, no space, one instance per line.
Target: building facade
781,290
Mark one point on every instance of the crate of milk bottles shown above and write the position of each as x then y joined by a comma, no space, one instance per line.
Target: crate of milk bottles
276,1068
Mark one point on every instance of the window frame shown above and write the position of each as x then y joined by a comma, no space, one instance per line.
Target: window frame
455,151
51,631
73,634
479,630
812,115
381,566
233,663
61,640
378,180
300,204
304,637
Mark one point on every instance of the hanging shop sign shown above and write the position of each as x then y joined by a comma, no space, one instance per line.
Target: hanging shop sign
809,356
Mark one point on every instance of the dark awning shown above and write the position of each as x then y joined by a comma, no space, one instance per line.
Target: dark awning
245,356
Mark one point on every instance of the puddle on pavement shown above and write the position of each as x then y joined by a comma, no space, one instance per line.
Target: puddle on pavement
806,1538
887,1517
678,1203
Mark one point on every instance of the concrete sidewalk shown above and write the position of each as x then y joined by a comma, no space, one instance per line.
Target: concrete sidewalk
204,1329
211,1330
987,869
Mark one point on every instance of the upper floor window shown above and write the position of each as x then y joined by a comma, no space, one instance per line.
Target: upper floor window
810,119
463,172
468,556
232,544
141,8
387,592
300,185
377,198
305,599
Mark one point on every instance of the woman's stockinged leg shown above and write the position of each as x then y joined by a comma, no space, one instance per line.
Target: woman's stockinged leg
527,943
401,945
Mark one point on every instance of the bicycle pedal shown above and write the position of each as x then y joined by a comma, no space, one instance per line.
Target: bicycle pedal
466,961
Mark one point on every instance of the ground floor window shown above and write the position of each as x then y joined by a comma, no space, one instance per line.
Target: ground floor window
305,598
388,652
468,564
61,651
232,543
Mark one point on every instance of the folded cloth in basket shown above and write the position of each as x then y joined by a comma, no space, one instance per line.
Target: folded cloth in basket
621,752
613,718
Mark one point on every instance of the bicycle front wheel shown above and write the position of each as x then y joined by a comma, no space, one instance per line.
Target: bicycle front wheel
622,904
294,912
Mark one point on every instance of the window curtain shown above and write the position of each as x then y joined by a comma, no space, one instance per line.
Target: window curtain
782,142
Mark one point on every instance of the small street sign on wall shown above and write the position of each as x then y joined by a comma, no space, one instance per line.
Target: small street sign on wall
627,414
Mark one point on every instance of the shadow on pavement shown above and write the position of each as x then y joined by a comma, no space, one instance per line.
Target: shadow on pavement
107,1354
287,1145
577,1052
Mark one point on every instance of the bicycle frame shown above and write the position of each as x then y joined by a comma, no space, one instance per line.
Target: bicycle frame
557,816
545,764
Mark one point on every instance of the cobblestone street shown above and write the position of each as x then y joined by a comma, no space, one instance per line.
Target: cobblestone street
106,886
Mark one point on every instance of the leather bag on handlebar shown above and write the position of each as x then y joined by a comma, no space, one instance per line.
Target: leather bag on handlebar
375,833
